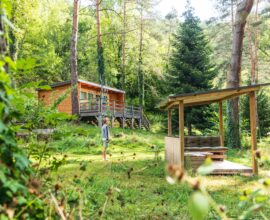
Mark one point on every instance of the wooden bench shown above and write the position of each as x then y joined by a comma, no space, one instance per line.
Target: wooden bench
208,144
195,159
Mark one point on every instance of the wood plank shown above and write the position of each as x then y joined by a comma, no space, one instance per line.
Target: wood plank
209,97
227,167
253,130
169,122
181,133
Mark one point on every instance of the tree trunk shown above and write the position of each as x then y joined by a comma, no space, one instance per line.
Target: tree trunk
140,71
73,60
124,44
100,57
232,14
189,129
253,55
3,43
13,45
242,12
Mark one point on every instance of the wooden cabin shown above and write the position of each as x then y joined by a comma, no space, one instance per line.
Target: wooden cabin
193,150
96,101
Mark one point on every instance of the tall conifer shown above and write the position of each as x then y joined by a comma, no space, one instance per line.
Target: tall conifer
190,67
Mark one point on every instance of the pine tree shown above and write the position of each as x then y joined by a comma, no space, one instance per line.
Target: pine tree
190,67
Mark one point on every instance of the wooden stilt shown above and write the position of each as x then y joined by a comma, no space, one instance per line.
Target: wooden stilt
169,122
112,122
221,130
253,131
123,122
100,121
132,123
181,133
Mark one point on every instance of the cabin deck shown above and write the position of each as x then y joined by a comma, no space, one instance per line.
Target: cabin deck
195,156
230,168
131,116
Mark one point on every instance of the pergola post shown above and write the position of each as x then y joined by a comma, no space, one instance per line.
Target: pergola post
169,122
221,130
253,130
181,133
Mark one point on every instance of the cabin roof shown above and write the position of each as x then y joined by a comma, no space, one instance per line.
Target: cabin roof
57,84
208,97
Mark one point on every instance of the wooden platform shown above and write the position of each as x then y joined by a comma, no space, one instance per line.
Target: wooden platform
230,168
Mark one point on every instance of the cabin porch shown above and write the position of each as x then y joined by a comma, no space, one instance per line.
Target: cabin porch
127,116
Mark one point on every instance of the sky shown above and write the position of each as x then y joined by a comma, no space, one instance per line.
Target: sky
204,9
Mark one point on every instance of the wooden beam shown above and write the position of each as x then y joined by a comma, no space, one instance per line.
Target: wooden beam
221,130
253,130
181,133
169,122
171,105
208,97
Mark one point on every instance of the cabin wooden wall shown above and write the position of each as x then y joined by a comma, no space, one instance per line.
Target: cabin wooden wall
96,91
49,96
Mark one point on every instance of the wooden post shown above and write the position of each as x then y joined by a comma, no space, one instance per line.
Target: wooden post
253,130
169,122
132,117
141,116
123,122
113,108
100,105
181,133
100,121
221,130
79,96
112,121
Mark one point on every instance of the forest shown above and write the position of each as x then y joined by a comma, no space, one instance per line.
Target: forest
111,109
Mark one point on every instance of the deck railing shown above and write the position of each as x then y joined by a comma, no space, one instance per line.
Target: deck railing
109,107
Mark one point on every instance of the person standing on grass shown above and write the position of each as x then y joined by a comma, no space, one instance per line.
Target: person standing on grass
105,133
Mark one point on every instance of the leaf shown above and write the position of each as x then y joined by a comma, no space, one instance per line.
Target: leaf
170,180
198,206
261,198
83,166
46,87
21,161
206,168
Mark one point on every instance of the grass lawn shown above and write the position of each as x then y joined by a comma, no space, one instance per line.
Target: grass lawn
135,173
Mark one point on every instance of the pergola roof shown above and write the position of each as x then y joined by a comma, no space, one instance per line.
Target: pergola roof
208,97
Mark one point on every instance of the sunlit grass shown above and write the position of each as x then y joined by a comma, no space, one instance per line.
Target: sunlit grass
144,193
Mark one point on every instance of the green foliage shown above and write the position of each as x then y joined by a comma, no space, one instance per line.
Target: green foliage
190,67
34,114
16,200
199,206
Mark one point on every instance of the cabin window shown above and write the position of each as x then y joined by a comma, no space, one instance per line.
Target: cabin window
90,97
104,99
83,96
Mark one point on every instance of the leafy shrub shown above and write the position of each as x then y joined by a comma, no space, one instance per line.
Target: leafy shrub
18,190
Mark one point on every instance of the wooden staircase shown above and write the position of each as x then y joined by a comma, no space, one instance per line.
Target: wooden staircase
135,123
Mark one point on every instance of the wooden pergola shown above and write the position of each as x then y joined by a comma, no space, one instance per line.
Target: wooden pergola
181,101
